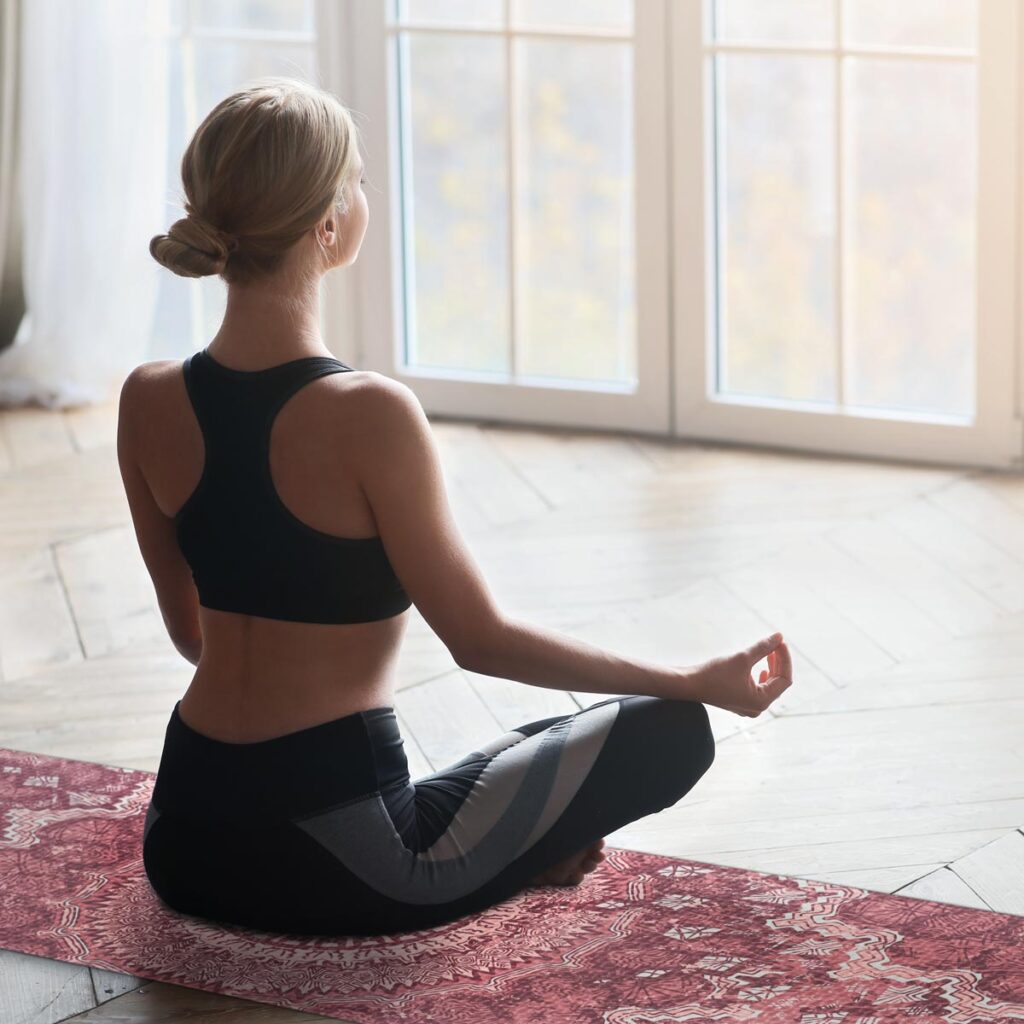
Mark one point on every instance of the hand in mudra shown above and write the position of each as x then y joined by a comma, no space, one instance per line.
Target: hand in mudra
728,682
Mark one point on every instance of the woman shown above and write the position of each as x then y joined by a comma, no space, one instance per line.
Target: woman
290,510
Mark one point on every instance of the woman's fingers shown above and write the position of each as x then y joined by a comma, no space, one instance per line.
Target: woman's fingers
780,663
759,650
785,662
775,687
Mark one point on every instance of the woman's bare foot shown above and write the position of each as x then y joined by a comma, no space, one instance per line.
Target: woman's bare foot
572,870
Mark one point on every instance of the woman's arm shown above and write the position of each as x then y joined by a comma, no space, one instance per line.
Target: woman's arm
401,474
154,531
542,657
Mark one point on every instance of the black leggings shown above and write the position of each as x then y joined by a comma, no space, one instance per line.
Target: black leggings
322,831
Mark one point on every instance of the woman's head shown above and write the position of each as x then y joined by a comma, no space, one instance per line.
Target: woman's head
272,184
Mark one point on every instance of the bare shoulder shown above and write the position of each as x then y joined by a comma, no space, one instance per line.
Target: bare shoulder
148,376
147,382
379,386
145,396
386,432
378,402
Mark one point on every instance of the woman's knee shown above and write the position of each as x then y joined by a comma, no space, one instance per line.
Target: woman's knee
703,736
681,729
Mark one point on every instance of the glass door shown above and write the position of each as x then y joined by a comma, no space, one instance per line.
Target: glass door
214,48
846,183
516,262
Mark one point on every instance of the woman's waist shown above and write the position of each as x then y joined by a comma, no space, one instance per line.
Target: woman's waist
259,654
261,706
299,772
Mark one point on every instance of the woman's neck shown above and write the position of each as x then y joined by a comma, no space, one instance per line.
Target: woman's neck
263,327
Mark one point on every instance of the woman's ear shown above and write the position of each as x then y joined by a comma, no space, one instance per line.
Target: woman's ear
327,233
326,229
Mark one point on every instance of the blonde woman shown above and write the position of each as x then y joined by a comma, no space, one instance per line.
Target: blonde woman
290,510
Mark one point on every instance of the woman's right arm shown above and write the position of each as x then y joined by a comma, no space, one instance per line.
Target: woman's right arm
400,473
542,657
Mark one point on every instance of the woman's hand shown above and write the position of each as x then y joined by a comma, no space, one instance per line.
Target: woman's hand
727,682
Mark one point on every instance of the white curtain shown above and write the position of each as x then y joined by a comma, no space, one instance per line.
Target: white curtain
12,297
93,170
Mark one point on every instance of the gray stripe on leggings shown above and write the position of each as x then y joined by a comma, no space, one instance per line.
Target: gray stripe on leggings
362,836
504,776
592,728
488,749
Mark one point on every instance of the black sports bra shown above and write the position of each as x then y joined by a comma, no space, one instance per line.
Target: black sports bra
248,553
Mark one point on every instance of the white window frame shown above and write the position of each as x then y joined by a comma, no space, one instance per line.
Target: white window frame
995,438
674,247
374,291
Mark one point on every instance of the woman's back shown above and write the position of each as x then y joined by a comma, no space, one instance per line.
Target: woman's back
301,612
303,504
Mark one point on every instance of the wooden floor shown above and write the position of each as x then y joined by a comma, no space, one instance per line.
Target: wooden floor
894,762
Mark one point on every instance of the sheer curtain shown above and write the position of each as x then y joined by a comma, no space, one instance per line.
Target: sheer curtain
92,152
12,296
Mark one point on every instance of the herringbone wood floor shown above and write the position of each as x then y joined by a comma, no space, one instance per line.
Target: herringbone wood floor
895,761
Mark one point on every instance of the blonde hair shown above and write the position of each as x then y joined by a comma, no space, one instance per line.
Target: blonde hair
263,168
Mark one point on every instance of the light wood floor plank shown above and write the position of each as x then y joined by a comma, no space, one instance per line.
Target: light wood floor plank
109,590
36,990
904,569
156,1003
37,626
109,984
821,631
62,498
980,508
996,872
92,426
35,435
566,467
816,861
993,572
882,879
944,886
514,704
897,624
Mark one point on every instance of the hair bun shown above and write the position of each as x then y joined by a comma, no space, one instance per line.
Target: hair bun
193,248
199,233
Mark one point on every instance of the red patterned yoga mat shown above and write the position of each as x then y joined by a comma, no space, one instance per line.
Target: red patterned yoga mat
645,939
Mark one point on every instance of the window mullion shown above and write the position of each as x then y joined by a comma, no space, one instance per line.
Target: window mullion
510,151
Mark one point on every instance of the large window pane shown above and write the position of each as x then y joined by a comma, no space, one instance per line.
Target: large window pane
576,13
470,12
575,202
224,66
776,235
941,23
266,15
455,173
910,241
777,21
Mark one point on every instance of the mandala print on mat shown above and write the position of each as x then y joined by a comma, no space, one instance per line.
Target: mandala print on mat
645,939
